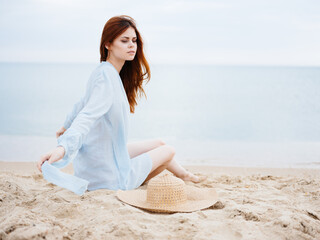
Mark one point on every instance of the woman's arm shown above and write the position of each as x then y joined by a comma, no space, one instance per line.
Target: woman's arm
99,103
71,116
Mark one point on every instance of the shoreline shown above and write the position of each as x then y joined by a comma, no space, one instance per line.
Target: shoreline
31,168
17,148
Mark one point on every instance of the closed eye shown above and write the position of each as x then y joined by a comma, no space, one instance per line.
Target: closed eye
127,41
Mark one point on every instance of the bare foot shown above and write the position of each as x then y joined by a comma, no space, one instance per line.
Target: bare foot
193,178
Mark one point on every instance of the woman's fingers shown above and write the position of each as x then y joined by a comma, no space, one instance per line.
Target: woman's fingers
60,132
52,156
57,154
42,160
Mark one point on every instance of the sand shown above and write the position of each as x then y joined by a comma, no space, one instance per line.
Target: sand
254,203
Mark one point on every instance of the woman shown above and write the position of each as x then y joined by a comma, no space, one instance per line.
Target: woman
94,134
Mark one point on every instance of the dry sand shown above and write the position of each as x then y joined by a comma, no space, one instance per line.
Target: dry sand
253,203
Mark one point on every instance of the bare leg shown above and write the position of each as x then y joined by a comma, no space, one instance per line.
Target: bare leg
162,158
140,147
181,172
154,173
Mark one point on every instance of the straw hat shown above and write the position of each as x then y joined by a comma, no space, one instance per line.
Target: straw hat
167,193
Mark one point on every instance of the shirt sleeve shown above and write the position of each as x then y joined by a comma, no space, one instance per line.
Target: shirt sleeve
71,116
99,103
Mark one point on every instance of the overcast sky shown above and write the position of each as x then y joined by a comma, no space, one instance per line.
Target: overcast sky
249,32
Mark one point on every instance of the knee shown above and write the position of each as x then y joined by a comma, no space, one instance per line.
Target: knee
160,142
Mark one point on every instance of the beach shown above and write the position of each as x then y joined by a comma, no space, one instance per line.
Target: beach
232,87
253,203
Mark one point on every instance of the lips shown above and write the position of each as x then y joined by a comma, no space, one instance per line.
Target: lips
131,52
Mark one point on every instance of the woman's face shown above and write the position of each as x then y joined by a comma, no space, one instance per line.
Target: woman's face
124,47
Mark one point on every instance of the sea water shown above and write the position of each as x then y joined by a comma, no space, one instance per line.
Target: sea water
266,116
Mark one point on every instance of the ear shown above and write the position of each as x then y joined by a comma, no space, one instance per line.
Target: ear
107,45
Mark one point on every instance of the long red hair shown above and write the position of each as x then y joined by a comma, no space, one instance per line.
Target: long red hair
135,72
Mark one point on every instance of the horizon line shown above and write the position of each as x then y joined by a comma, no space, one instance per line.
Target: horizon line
177,64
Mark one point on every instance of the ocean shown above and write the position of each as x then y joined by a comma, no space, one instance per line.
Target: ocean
250,116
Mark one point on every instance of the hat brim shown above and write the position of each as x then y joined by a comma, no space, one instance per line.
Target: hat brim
197,199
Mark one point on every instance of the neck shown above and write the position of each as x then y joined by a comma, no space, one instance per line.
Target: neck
117,63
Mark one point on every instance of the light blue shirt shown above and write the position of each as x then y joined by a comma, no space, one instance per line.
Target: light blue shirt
96,136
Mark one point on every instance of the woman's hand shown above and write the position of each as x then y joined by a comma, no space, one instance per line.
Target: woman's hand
60,132
52,156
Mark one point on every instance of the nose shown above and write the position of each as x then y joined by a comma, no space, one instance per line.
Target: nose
131,45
